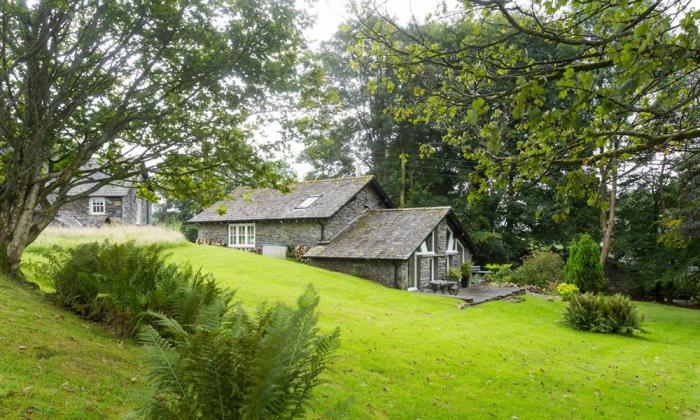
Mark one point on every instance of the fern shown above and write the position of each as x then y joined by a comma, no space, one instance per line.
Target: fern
117,284
232,365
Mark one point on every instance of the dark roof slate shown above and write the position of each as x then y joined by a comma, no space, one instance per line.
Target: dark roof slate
119,188
392,234
269,204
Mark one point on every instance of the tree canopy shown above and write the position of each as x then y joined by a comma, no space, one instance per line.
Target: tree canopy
120,88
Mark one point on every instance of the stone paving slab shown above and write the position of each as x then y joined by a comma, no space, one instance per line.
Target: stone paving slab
481,294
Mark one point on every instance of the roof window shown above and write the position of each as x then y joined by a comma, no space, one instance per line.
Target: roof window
308,202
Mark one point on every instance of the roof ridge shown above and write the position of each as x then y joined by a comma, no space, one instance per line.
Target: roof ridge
416,208
342,178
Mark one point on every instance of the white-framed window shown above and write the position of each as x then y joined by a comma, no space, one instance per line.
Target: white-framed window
241,235
428,245
451,246
309,201
97,205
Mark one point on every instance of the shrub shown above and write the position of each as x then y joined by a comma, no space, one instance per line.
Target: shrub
566,290
502,273
190,232
454,274
497,267
233,365
117,283
605,314
466,269
583,268
541,268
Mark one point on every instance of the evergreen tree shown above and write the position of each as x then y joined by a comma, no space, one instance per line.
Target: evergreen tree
583,267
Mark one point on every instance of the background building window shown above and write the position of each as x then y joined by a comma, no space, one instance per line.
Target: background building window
97,205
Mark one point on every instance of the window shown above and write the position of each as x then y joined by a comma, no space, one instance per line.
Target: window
241,235
428,246
451,247
308,202
97,205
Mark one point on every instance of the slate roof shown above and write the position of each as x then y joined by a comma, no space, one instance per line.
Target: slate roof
114,189
391,234
269,204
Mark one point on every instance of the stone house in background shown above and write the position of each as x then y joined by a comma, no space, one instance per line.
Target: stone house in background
348,225
113,203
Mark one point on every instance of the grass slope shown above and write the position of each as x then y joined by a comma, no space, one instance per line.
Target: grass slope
405,355
54,365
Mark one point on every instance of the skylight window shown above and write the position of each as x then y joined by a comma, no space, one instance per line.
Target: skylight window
308,202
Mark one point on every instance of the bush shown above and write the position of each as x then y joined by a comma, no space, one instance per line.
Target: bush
605,314
466,269
190,232
454,274
583,267
502,273
497,267
541,268
566,290
237,366
117,283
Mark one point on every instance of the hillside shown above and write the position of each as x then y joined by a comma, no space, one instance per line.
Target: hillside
402,355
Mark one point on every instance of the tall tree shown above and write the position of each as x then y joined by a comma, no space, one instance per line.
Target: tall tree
349,121
125,85
626,77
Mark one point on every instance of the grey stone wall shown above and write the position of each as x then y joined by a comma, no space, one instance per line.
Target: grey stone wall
389,273
288,232
117,209
130,209
215,232
80,210
366,199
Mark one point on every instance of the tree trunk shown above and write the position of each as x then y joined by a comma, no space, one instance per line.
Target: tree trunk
608,215
402,193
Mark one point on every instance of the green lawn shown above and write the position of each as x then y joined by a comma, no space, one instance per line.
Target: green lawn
54,365
402,355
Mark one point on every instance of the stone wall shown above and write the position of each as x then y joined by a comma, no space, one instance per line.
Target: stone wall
117,209
387,272
130,209
288,232
366,199
80,210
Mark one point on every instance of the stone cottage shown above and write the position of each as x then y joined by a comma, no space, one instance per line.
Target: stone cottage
113,203
348,225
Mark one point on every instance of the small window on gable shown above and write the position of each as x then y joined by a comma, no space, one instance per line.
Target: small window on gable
97,205
308,202
451,242
428,245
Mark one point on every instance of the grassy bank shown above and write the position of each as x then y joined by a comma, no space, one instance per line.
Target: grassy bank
405,355
402,355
